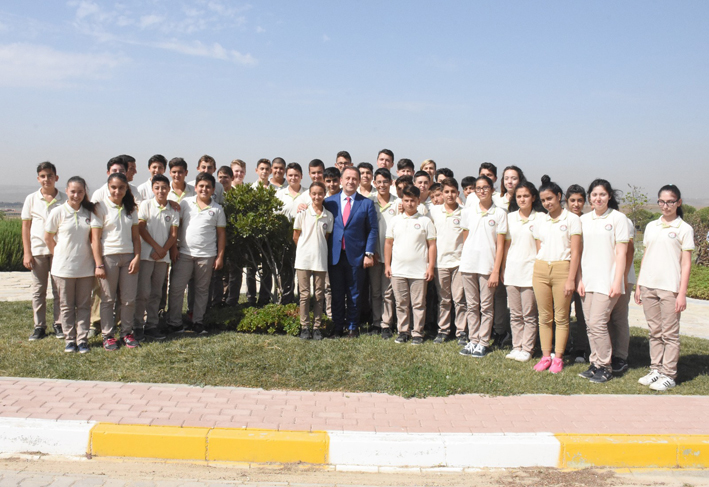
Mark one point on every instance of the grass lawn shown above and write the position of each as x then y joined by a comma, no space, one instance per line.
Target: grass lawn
367,364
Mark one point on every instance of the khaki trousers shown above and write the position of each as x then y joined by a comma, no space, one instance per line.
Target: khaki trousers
382,297
479,299
449,283
548,283
121,286
619,326
40,283
410,291
147,301
523,317
659,308
597,309
304,293
185,268
75,304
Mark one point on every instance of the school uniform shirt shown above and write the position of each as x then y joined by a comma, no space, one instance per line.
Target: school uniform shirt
478,256
449,236
371,196
36,209
198,227
291,202
664,244
117,225
409,255
519,266
501,201
218,195
188,192
257,184
146,190
554,235
278,186
102,193
311,252
632,279
385,214
159,221
73,257
600,236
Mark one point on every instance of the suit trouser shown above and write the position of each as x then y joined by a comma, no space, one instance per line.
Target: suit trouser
479,300
410,292
346,282
40,283
449,283
597,308
663,321
147,301
382,297
119,286
75,304
523,317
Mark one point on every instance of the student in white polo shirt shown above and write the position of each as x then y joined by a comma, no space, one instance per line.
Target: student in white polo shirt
36,255
179,189
207,164
575,201
448,219
68,237
520,255
201,249
311,229
157,164
293,194
485,227
118,164
116,248
410,262
559,244
662,286
605,240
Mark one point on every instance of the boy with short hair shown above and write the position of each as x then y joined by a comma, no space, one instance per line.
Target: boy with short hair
443,173
226,283
36,255
225,176
405,167
179,189
332,180
278,173
238,167
343,160
116,164
263,171
422,180
316,170
410,259
385,159
207,164
468,185
156,165
366,175
294,194
436,194
401,183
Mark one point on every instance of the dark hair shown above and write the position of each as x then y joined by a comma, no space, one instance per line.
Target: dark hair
451,182
387,152
43,166
226,170
86,202
675,190
520,175
489,166
446,172
263,161
536,204
317,184
613,194
159,178
345,154
411,191
331,173
549,185
317,163
127,158
178,162
117,160
467,181
488,181
405,164
207,159
159,158
435,187
278,160
365,165
296,166
405,180
576,189
383,172
205,176
128,200
420,174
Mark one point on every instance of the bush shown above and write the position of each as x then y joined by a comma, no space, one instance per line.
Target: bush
271,319
11,245
698,282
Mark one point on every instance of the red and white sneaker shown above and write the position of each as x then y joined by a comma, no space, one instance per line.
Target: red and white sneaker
110,344
130,342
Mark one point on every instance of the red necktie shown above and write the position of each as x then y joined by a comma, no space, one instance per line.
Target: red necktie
345,217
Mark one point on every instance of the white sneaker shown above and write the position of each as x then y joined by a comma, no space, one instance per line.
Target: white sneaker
513,354
523,356
649,378
663,383
468,349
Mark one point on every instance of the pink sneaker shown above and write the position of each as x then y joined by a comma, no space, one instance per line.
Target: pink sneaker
543,364
557,365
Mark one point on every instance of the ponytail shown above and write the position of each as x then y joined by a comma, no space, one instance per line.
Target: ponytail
86,202
128,200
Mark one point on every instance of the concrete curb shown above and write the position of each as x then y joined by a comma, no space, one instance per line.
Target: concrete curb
353,450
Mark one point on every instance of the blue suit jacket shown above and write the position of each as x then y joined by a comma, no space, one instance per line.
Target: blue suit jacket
360,233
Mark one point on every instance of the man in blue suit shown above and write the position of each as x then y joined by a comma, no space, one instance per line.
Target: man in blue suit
351,250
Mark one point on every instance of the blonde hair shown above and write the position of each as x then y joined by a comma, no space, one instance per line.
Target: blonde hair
238,162
429,161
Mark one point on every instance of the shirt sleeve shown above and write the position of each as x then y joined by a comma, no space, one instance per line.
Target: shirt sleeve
144,211
390,228
97,217
298,221
464,219
621,229
687,235
26,210
575,227
430,230
134,217
502,223
221,218
51,224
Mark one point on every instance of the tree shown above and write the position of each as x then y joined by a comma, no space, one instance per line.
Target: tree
634,201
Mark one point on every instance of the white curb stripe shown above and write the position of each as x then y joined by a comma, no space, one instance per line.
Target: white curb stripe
47,436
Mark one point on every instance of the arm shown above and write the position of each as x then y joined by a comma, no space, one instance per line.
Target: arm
171,241
576,249
158,252
629,256
620,250
221,247
49,240
372,233
638,299
388,245
431,271
134,265
27,259
97,250
296,236
686,263
508,243
499,253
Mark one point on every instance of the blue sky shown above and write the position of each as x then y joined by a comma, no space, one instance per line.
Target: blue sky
577,90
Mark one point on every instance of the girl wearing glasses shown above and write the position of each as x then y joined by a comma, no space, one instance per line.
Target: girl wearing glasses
662,286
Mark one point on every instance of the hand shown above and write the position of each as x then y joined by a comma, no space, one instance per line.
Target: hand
615,291
581,289
218,263
174,204
160,252
494,280
638,299
100,272
680,303
174,254
28,262
430,274
569,288
387,271
154,255
302,207
134,265
401,208
368,261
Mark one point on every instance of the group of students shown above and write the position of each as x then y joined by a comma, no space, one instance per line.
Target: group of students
530,248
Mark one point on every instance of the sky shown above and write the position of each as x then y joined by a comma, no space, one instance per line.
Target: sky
576,90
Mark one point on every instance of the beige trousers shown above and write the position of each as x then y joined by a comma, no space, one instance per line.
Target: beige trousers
183,270
659,308
304,293
382,297
597,309
523,317
410,291
619,327
40,283
449,283
548,283
117,278
479,300
75,304
147,301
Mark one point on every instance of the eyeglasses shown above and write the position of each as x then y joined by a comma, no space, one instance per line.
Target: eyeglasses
482,189
666,203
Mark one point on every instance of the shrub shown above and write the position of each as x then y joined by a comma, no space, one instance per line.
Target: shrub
11,245
271,319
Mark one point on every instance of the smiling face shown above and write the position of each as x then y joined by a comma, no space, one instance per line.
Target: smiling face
47,179
116,191
510,179
264,171
225,180
384,161
278,170
75,193
178,174
316,174
156,168
550,201
365,176
333,185
430,168
483,190
599,198
161,190
575,203
239,175
350,181
422,183
383,185
294,176
131,171
206,166
204,190
317,195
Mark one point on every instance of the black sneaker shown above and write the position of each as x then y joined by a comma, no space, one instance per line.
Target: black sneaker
386,333
619,366
462,340
154,334
601,376
440,338
402,338
83,347
500,340
37,334
317,335
590,372
176,329
417,341
304,334
71,348
374,330
58,332
580,357
480,351
199,329
139,333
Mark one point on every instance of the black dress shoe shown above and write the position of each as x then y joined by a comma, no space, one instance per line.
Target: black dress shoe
336,334
352,333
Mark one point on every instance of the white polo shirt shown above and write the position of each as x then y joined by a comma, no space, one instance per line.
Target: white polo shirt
198,227
117,225
36,209
146,190
385,214
409,255
664,244
473,200
519,264
218,195
291,202
371,196
479,249
73,257
102,193
311,252
600,236
449,236
555,235
159,221
501,201
257,184
188,192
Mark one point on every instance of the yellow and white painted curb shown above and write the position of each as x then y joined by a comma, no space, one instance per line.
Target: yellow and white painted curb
354,450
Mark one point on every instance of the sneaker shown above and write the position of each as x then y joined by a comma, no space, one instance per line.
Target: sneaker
130,341
580,357
95,330
523,356
499,340
139,333
463,340
590,372
304,334
83,347
176,329
601,376
648,379
619,365
374,330
386,333
317,335
58,332
417,341
557,365
38,334
543,364
199,329
513,354
402,338
663,383
154,334
71,348
468,349
440,338
110,344
480,351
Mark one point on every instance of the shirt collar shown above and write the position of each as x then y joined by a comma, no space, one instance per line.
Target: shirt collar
481,212
532,216
673,224
562,216
412,217
601,217
343,198
40,196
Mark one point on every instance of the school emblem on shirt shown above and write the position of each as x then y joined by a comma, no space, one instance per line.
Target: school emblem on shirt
456,221
168,218
531,228
563,228
672,235
211,212
391,211
324,225
491,223
609,227
88,221
417,226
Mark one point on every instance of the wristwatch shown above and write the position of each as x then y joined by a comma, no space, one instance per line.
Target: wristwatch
369,254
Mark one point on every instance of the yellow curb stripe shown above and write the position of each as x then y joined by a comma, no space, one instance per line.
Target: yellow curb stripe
252,445
165,442
633,451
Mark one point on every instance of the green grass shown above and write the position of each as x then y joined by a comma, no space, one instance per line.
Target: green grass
367,364
11,245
